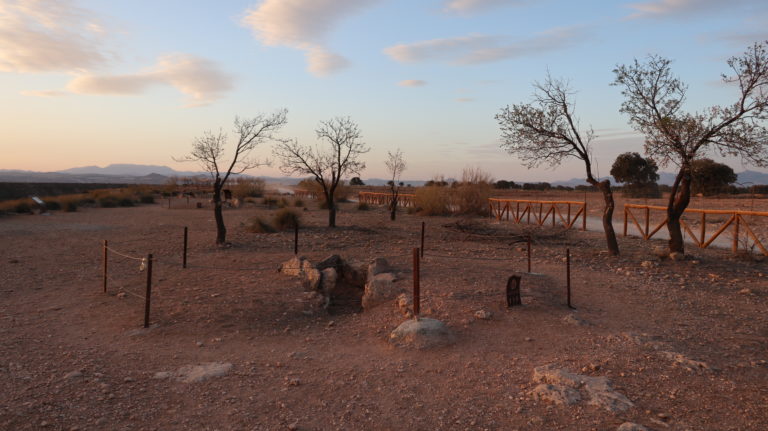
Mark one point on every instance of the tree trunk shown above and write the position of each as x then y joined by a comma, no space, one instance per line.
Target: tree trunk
679,198
393,206
221,230
610,235
331,213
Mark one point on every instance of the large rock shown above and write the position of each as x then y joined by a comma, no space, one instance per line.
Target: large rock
631,426
598,389
353,275
379,289
556,394
328,281
312,279
424,333
293,267
378,266
333,261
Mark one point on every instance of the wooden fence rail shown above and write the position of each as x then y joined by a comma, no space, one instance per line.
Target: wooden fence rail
306,194
373,198
540,211
735,218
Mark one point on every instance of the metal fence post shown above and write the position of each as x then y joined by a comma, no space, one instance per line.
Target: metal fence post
416,286
104,274
184,258
148,293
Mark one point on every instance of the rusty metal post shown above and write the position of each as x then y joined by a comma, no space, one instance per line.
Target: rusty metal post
568,275
647,222
296,239
184,256
703,228
423,228
584,214
529,254
416,286
148,293
104,274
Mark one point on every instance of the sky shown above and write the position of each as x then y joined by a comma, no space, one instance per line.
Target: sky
95,82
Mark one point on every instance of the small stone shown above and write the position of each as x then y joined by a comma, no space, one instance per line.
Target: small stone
73,375
44,424
199,344
676,256
528,339
745,291
128,379
646,264
631,426
483,315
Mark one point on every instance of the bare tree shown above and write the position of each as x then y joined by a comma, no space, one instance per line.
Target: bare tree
654,102
209,150
547,131
395,166
326,166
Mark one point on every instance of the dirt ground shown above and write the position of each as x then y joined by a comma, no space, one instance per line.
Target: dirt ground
75,358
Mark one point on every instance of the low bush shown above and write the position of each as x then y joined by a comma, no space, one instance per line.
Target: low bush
298,203
269,201
52,205
257,225
363,206
23,207
125,202
109,202
471,195
285,219
433,201
248,188
147,199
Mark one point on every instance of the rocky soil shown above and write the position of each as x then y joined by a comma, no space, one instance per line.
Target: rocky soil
235,345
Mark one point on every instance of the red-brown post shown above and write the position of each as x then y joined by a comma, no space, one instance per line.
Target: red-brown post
148,293
184,256
703,228
584,215
104,274
736,234
416,287
423,228
568,275
625,220
647,222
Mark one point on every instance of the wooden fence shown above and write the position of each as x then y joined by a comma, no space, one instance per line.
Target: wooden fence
539,211
403,199
736,219
306,194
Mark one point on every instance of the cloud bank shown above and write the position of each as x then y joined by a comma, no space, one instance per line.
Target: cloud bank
412,83
47,36
476,49
304,25
200,79
469,6
663,8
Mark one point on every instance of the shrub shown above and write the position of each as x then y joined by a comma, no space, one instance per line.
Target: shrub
269,201
363,206
108,202
283,203
248,188
69,205
257,225
298,203
125,202
433,201
147,199
285,219
52,205
471,195
23,207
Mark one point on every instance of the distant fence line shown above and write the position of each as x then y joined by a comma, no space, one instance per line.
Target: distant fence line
306,194
539,211
736,219
373,198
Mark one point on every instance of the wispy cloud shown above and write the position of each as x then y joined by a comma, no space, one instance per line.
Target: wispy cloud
200,79
44,93
469,6
664,8
304,25
412,83
465,99
46,36
479,48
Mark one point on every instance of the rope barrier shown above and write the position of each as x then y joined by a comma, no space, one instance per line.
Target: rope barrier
124,255
465,258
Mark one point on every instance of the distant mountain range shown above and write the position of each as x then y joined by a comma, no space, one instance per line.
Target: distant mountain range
154,174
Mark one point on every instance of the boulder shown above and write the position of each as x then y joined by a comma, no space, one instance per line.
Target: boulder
333,261
483,315
328,281
379,289
377,266
423,333
404,304
312,279
353,275
198,373
598,389
293,267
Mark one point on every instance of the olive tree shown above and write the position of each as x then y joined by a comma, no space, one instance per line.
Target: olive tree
637,173
327,166
210,148
654,100
546,130
395,166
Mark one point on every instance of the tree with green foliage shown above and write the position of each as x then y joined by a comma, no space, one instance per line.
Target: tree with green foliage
709,177
356,181
638,175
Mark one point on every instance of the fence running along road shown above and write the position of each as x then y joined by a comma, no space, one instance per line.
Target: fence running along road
539,211
736,219
373,198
